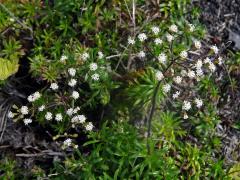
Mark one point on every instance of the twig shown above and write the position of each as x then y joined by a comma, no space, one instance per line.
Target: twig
133,16
153,105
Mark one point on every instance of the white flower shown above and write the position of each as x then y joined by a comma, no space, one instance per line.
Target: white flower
72,82
199,72
70,112
191,27
184,54
48,116
72,72
186,105
33,97
10,114
93,66
215,49
176,94
78,119
197,44
185,116
63,58
27,121
100,54
141,54
131,41
75,95
166,88
95,77
85,56
75,110
24,110
173,28
59,117
159,75
177,79
67,142
207,60
30,98
169,37
82,118
220,61
89,126
54,86
158,41
155,30
142,37
198,102
191,74
162,58
198,64
212,67
37,95
41,108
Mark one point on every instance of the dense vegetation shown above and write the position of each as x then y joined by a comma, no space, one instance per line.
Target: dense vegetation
112,89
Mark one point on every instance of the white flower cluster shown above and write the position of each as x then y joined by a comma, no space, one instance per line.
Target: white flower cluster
33,97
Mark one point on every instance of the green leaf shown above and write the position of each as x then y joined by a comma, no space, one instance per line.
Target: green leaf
8,68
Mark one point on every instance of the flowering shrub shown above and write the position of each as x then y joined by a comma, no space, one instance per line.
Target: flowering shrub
122,101
178,68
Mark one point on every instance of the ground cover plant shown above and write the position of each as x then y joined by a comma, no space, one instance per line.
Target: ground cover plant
112,90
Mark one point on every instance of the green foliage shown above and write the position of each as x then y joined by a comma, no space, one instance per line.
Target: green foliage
119,153
50,31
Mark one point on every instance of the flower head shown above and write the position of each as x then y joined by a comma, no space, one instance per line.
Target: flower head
85,56
215,49
100,54
93,66
184,54
158,41
159,75
89,126
131,41
27,121
63,58
10,114
75,95
166,88
186,105
59,117
198,102
177,79
54,86
142,37
176,95
72,82
24,110
72,72
173,28
155,30
95,77
169,37
41,108
48,116
67,142
162,58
